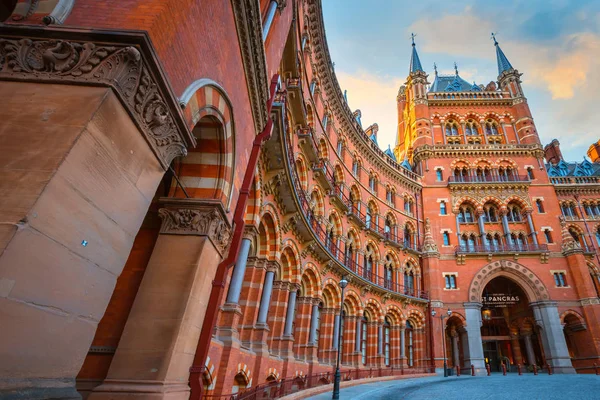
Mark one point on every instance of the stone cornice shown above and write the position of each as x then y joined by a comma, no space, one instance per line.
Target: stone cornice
249,29
196,218
124,61
455,150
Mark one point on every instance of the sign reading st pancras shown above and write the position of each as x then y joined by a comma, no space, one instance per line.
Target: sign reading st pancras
499,300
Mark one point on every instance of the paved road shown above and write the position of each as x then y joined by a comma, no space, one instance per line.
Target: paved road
495,387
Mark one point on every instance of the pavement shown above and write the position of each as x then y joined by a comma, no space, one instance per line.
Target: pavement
494,387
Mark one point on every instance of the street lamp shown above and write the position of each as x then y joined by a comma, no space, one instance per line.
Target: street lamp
442,316
337,377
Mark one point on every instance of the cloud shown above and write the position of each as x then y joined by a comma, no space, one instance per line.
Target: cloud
375,96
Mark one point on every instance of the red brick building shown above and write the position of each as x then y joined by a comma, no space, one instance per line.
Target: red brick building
185,187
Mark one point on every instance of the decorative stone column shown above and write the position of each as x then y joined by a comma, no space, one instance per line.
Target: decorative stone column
312,346
505,227
473,333
455,350
553,338
529,348
261,330
531,227
154,363
516,348
403,359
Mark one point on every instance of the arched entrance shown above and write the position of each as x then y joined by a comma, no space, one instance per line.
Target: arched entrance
508,333
510,319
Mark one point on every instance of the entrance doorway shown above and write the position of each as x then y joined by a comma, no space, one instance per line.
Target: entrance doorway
508,333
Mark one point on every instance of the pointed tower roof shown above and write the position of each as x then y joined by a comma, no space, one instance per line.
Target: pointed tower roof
406,164
503,63
415,63
390,153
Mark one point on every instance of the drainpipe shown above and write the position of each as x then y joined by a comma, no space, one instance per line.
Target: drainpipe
218,284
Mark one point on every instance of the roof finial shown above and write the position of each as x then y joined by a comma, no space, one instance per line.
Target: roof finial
412,37
435,68
494,39
455,68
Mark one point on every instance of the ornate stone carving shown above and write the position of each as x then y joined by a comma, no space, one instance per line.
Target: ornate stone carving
119,66
430,249
249,30
189,219
569,245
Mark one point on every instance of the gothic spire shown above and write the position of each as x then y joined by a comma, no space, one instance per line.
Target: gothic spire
503,63
415,63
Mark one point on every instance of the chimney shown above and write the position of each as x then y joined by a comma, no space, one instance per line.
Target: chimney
552,152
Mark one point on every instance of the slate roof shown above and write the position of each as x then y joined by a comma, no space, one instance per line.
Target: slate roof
415,63
452,83
563,168
503,63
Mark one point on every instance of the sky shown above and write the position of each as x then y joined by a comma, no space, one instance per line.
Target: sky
555,44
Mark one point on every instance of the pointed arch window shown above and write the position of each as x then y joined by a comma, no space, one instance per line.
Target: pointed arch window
368,270
369,217
451,128
409,283
471,128
491,127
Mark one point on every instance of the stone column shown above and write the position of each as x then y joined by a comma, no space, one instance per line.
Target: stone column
336,332
553,338
237,277
154,363
455,351
532,229
403,347
516,348
380,339
265,299
289,317
314,324
474,344
529,348
506,228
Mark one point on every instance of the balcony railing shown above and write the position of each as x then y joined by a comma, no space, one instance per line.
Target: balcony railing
488,179
575,180
501,248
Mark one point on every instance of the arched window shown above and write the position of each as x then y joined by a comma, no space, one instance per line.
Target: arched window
369,215
388,194
451,128
330,234
350,253
355,167
409,343
466,214
388,226
387,277
363,338
409,283
386,341
372,182
514,213
471,128
491,127
490,213
340,147
598,235
408,236
368,270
